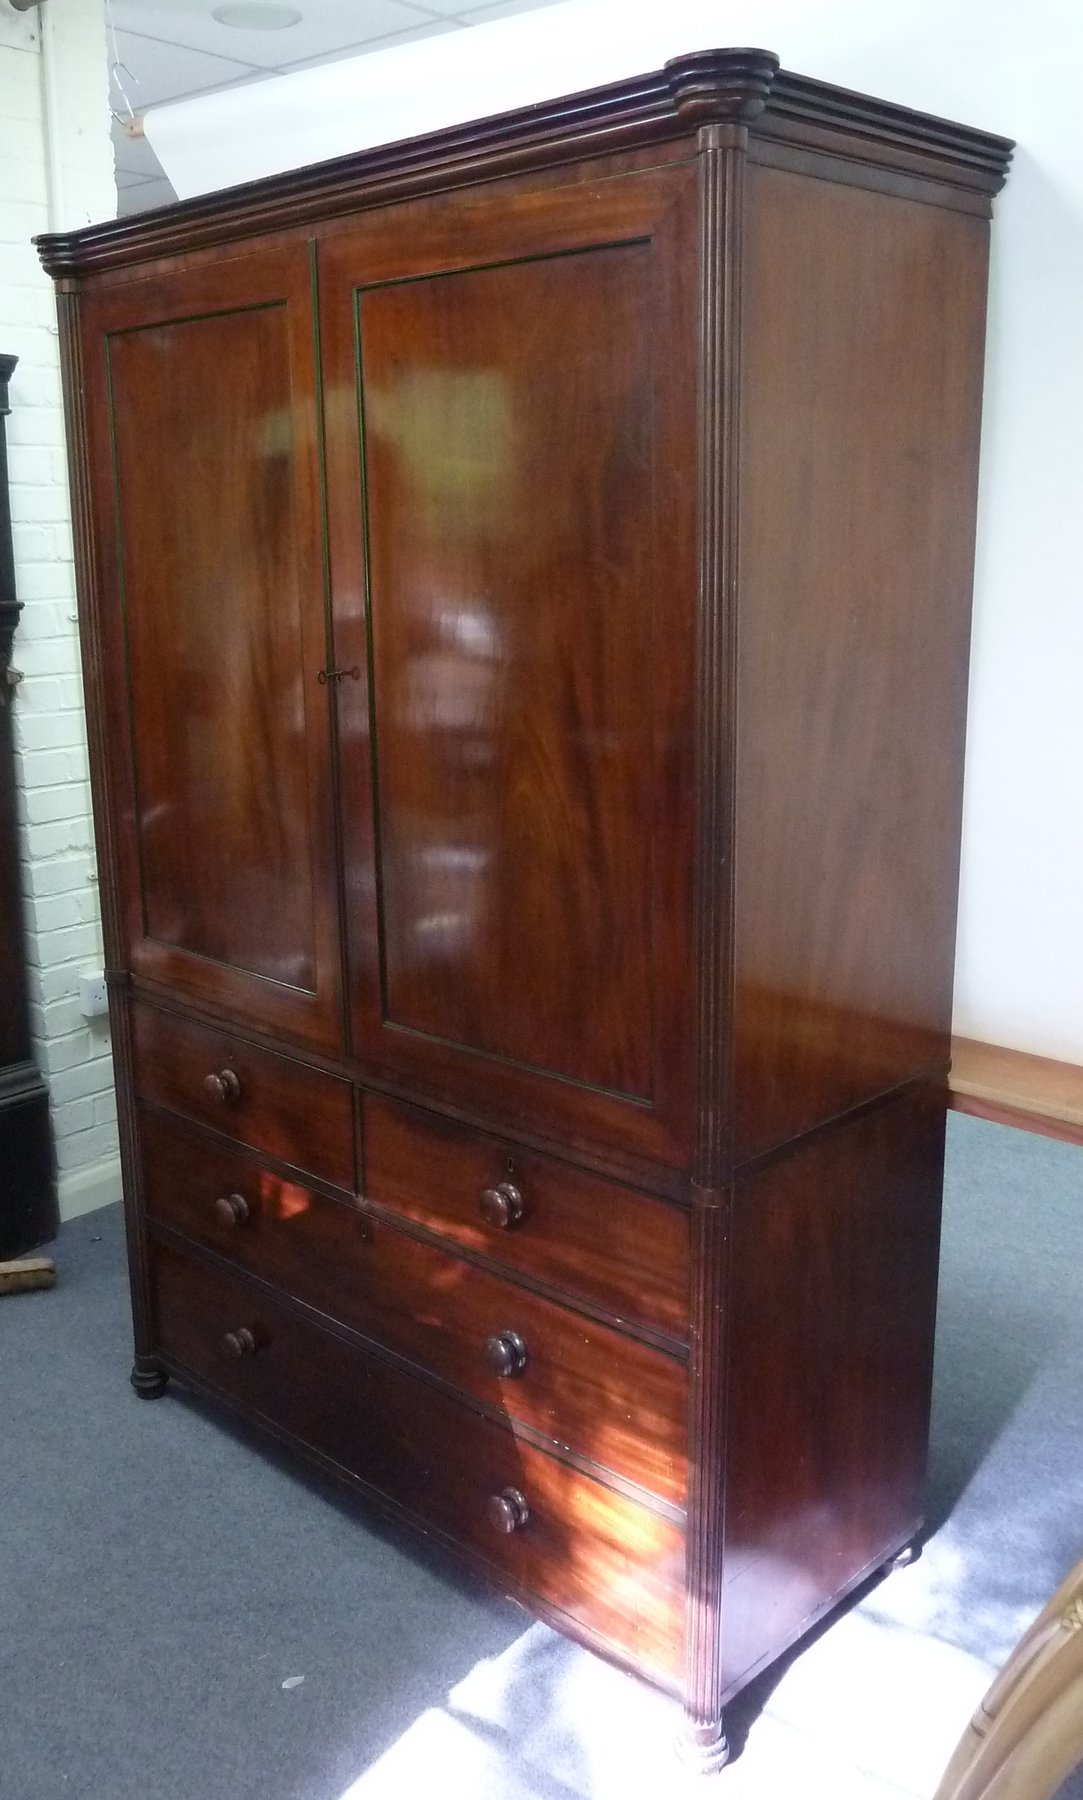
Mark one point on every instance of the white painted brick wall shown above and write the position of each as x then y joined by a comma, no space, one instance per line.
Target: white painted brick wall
56,172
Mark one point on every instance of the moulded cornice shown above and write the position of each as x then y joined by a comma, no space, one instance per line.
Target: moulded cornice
738,86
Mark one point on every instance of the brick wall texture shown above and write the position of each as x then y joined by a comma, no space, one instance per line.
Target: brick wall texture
56,171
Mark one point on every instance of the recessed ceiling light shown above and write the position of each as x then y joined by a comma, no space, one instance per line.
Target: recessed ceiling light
252,15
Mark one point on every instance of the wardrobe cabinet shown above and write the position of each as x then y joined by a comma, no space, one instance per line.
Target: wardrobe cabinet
525,580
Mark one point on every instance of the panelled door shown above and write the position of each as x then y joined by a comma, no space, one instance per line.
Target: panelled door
210,578
510,395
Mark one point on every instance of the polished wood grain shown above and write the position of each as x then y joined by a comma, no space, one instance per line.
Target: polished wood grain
605,1244
231,653
722,207
1016,1119
832,1301
609,1399
147,1377
284,1230
511,604
633,770
517,855
282,1106
604,1396
592,1553
1037,1090
861,400
215,636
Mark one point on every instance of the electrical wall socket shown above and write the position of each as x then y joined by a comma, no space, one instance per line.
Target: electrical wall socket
93,999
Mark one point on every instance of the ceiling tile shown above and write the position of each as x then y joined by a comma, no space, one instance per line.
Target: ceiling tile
175,48
498,9
325,26
431,28
161,71
473,11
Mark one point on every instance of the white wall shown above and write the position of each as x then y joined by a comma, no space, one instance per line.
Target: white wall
1019,976
1016,70
56,168
990,63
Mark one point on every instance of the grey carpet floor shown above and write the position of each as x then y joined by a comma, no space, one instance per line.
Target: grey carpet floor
163,1584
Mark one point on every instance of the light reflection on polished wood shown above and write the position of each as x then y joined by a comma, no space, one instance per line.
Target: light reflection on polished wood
518,850
639,849
511,611
203,460
281,1105
623,1251
214,624
854,635
602,1559
602,1394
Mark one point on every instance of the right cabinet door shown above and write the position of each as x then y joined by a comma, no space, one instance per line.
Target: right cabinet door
511,453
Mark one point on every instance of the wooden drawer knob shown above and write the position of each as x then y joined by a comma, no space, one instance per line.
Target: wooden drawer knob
232,1209
506,1354
223,1088
502,1206
508,1511
241,1342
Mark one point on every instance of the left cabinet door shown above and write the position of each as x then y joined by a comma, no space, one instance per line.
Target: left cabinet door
209,602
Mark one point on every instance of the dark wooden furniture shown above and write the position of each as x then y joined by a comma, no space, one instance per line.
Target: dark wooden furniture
28,1211
526,578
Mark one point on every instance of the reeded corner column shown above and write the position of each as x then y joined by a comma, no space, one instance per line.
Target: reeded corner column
718,93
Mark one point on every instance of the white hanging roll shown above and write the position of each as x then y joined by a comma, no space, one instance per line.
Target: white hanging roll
287,121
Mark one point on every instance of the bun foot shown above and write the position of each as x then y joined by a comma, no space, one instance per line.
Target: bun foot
148,1380
902,1558
702,1749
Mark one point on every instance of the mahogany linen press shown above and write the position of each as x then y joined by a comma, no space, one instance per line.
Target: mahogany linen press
525,578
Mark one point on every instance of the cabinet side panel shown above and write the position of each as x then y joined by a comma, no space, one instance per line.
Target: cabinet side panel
833,1301
863,348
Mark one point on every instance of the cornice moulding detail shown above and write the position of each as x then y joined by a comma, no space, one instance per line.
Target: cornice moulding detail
712,86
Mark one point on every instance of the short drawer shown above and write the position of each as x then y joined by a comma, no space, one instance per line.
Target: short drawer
621,1250
589,1388
271,1102
604,1561
226,1200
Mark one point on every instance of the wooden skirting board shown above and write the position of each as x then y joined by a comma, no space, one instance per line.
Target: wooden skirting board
1031,1092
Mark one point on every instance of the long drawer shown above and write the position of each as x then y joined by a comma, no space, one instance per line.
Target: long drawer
271,1102
614,1566
618,1249
596,1391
